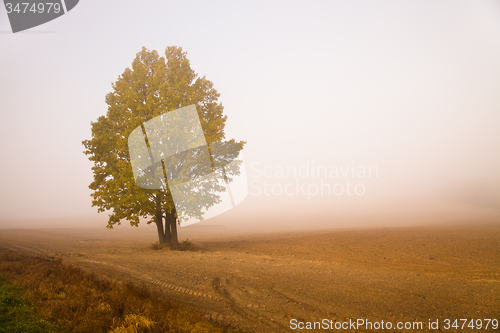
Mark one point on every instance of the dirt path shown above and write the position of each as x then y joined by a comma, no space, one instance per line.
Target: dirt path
261,283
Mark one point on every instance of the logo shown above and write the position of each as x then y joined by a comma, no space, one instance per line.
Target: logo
204,178
26,14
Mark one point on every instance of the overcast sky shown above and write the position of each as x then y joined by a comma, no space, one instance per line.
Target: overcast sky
411,87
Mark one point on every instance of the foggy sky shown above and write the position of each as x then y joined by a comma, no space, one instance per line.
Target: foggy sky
411,87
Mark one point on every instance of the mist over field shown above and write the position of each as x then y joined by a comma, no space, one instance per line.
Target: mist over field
355,113
368,188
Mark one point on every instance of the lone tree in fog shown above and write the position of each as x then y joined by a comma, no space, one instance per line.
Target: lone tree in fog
152,87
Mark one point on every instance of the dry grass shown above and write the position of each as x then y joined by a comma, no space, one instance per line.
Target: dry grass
79,302
185,245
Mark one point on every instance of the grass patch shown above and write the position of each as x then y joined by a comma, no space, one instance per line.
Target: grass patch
158,246
76,301
16,314
185,245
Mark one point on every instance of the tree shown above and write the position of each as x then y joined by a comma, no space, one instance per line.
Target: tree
152,87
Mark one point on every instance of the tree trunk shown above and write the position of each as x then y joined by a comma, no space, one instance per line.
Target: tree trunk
159,221
159,227
175,241
171,225
168,237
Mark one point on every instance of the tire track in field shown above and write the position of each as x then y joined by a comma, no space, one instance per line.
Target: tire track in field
149,279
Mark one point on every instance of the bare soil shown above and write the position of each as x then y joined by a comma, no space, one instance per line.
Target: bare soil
259,282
